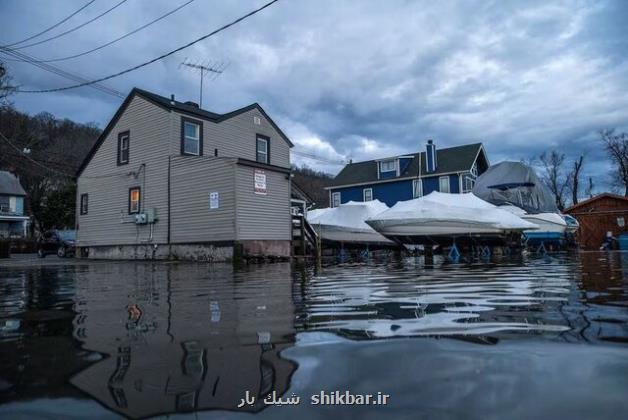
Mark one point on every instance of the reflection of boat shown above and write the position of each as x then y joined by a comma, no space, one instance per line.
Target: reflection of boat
440,217
345,223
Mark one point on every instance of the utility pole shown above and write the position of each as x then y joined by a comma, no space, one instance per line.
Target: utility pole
204,70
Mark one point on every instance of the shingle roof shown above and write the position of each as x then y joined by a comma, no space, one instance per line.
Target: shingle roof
10,185
182,107
452,159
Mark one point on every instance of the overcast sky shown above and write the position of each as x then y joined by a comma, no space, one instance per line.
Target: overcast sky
358,79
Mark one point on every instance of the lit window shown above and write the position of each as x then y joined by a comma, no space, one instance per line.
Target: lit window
443,184
123,148
191,142
84,203
388,165
417,188
134,200
367,194
335,199
261,148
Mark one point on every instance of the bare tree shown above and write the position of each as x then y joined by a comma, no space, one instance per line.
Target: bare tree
574,179
6,89
616,146
554,177
589,190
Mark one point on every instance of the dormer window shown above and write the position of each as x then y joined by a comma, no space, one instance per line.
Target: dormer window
388,165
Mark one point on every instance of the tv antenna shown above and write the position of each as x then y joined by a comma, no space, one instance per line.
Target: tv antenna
205,68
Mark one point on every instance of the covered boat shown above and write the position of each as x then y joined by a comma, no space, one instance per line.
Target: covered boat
345,223
439,218
515,187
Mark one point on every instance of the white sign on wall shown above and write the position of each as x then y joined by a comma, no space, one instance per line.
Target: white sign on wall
260,182
214,200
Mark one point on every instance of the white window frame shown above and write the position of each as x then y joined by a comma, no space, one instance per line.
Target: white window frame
394,165
197,139
123,137
336,199
465,184
370,191
474,170
440,184
258,141
417,188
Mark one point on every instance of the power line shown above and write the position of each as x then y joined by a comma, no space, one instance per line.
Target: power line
33,160
317,158
50,28
52,60
161,57
60,72
73,29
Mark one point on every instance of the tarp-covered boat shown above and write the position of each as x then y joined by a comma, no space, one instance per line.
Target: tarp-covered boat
345,223
440,217
515,187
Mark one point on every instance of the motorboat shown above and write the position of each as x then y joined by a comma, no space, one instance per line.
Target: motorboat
440,218
572,223
551,226
345,223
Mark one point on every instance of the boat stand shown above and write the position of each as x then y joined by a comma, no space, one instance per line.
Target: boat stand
454,252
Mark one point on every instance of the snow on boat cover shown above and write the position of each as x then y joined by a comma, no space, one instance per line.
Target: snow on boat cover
345,223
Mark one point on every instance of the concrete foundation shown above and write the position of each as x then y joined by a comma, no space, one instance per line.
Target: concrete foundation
208,252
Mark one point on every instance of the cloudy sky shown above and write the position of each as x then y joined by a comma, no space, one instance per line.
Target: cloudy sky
357,79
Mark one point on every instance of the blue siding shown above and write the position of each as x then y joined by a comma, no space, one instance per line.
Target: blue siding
387,174
392,192
403,164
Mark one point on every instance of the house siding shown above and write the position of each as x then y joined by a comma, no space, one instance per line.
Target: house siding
107,184
236,137
392,192
262,217
193,178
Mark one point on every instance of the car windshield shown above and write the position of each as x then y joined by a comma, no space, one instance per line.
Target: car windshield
67,235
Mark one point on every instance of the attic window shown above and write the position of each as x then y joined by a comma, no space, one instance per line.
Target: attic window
257,120
191,137
388,165
123,148
261,147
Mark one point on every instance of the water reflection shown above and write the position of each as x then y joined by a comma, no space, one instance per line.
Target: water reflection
146,339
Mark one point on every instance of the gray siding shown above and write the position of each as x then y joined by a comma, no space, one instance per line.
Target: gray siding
236,137
108,221
262,216
192,180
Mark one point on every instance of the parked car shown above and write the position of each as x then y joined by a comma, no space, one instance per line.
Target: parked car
60,242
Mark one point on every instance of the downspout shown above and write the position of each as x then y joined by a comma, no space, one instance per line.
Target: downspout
168,220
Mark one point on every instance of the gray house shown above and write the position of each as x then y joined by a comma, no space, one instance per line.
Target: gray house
13,222
167,179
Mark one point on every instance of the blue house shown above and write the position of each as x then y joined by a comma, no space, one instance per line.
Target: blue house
398,178
13,222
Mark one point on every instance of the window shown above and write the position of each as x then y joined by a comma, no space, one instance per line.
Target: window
443,184
124,140
191,137
335,199
261,147
474,170
417,188
5,204
84,203
388,165
367,194
469,183
134,200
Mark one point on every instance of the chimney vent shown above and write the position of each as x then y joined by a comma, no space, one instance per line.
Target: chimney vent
430,156
172,99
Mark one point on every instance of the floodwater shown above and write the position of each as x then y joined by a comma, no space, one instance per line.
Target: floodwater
523,337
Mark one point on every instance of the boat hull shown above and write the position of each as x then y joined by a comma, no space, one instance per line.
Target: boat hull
351,235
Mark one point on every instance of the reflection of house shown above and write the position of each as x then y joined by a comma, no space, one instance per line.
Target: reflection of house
167,179
13,222
179,341
392,179
599,215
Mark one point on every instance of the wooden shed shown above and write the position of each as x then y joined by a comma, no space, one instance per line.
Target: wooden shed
603,213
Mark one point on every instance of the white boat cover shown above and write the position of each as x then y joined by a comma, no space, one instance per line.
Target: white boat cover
444,207
349,215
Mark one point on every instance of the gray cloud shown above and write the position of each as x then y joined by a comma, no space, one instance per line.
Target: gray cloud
366,79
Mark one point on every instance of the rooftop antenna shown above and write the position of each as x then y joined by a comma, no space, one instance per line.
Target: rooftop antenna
205,68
